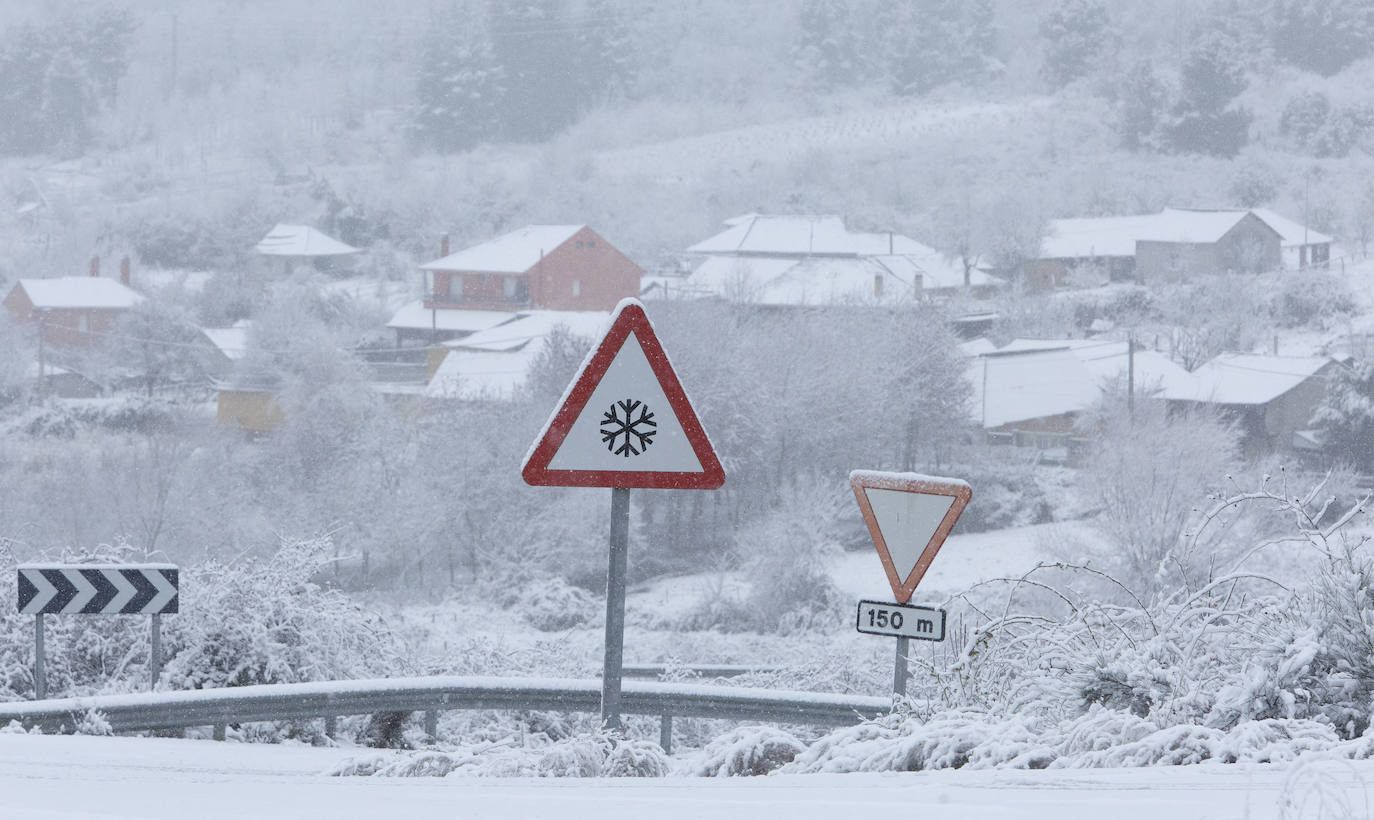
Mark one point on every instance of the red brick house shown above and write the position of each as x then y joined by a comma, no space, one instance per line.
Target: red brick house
73,311
549,267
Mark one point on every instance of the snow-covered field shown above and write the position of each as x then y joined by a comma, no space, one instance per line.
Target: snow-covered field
95,778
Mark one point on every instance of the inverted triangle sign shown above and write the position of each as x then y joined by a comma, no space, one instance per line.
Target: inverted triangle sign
625,420
909,516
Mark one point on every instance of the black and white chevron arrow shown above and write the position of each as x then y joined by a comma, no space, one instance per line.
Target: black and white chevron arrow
127,589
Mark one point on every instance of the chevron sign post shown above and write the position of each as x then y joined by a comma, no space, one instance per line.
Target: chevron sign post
84,589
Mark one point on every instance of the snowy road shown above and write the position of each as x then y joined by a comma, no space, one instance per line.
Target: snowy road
88,778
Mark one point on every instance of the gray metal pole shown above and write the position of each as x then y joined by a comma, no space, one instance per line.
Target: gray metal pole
155,652
40,673
615,608
900,671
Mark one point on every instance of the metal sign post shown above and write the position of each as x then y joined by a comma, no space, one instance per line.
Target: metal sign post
625,422
85,589
613,666
40,669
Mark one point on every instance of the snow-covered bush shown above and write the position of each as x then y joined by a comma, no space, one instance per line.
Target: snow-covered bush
268,622
635,758
554,605
746,751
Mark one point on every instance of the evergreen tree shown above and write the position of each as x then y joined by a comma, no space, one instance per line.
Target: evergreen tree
1077,34
1142,101
56,78
538,55
459,90
930,43
605,56
1205,118
1346,414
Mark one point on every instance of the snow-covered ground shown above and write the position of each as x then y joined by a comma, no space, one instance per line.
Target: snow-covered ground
96,778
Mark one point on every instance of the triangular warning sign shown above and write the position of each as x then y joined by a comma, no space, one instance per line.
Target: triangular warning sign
625,420
909,517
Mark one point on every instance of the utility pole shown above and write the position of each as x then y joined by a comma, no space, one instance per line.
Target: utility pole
1130,375
42,362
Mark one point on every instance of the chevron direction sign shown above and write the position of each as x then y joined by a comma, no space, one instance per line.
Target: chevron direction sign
125,589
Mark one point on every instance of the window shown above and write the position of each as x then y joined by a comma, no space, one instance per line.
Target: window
83,324
508,286
591,243
577,288
579,243
455,286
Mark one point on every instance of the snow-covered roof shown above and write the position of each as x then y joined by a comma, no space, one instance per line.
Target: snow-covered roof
1294,234
824,280
1113,236
1035,378
232,342
300,240
79,292
1233,378
415,316
802,236
515,252
494,364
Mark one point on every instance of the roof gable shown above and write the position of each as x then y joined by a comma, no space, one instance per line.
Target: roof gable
802,235
515,252
300,240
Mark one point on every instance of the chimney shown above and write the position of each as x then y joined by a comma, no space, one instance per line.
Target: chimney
95,266
443,246
124,277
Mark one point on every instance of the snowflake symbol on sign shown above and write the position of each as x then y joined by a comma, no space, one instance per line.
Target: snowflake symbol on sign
625,434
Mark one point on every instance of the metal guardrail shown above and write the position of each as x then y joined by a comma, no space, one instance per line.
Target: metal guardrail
148,711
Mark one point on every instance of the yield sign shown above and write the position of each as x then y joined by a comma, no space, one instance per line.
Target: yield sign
909,517
625,420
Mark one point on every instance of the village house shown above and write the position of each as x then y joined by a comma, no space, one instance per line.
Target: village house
298,244
495,364
1271,398
1031,392
1175,243
809,261
74,311
538,267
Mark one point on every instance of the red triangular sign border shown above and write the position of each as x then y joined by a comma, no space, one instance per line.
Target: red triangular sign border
629,318
861,481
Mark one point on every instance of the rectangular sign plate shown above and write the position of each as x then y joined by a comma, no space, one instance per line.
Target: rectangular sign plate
901,620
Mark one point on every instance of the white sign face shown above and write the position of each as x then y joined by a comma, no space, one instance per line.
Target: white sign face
901,621
908,521
627,424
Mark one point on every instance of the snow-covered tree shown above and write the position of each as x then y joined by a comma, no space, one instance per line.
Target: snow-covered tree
1077,34
1205,119
930,43
56,77
459,88
830,50
1346,414
1149,470
1323,36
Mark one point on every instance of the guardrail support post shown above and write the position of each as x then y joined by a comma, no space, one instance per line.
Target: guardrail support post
220,730
432,724
331,727
40,673
665,733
